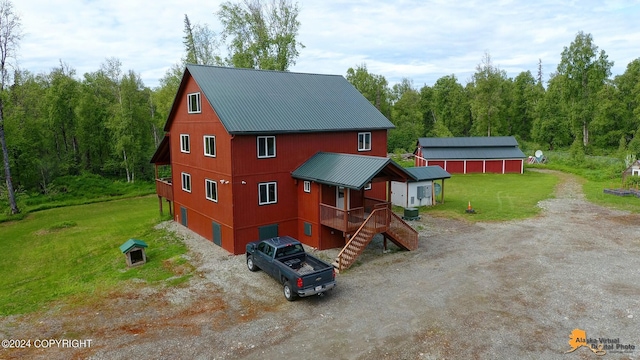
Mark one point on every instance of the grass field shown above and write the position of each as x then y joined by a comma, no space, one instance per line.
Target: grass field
73,253
494,197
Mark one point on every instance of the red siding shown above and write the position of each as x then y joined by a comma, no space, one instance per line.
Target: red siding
513,166
493,166
436,162
474,166
455,167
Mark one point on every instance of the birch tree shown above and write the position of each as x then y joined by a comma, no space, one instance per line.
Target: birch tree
10,34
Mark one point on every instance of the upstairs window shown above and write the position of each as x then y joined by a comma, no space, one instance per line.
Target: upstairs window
364,141
185,144
193,103
266,147
307,186
267,193
186,182
211,188
368,186
210,145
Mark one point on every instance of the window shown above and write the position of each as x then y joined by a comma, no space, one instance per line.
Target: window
211,188
268,193
186,182
307,186
210,145
266,146
193,103
368,186
364,141
185,144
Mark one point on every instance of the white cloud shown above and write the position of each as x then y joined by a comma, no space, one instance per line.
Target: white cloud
421,40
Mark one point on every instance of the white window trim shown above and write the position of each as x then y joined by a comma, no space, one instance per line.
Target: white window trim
367,145
368,186
187,177
205,138
206,189
267,184
182,143
266,147
307,186
199,109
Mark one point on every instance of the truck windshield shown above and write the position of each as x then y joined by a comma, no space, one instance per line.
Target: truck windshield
289,250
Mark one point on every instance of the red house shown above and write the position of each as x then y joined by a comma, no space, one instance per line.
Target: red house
255,154
463,155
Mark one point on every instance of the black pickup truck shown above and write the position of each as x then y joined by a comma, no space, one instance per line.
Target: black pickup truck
284,258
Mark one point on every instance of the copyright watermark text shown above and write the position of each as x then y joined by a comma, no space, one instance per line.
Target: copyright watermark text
45,343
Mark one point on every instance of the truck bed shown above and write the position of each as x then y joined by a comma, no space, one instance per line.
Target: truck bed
304,264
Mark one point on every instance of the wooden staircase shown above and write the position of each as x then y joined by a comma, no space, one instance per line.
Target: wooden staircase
381,220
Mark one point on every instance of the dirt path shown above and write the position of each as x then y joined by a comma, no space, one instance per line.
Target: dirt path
501,291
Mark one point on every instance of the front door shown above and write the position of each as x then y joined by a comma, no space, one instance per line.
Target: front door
341,195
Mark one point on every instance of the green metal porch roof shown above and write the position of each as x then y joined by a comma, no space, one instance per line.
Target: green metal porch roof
422,173
347,170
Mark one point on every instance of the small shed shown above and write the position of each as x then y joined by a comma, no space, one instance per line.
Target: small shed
133,250
424,191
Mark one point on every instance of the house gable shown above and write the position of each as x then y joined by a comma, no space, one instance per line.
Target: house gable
249,101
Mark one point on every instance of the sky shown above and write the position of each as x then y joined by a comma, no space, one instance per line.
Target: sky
419,40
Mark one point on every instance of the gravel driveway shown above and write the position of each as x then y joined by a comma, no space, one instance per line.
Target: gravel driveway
512,290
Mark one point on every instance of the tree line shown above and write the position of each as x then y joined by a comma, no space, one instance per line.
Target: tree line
580,107
108,122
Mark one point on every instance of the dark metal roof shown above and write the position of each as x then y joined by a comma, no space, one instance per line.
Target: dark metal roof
422,173
350,171
473,153
476,141
457,148
250,101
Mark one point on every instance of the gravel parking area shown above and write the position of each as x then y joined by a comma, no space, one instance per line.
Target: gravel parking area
513,290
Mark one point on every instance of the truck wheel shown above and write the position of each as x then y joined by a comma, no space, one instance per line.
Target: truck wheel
251,265
288,293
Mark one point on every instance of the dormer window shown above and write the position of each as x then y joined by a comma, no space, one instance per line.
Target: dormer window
364,141
266,147
193,103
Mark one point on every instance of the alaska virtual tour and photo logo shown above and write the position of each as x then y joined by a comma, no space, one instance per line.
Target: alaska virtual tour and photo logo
599,346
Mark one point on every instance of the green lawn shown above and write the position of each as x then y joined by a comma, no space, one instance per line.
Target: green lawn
72,253
494,197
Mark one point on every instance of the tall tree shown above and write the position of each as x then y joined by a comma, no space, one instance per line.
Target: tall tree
629,86
451,107
488,98
551,125
585,70
61,99
373,87
201,44
407,117
10,34
525,96
261,34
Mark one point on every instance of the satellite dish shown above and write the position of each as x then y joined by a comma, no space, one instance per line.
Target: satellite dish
538,154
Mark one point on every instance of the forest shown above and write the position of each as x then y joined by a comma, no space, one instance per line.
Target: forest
108,123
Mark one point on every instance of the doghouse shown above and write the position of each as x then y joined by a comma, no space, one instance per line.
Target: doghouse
133,251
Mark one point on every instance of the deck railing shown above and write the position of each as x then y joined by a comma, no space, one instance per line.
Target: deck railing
340,219
163,188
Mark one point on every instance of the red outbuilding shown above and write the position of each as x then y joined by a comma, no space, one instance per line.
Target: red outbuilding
255,154
463,155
